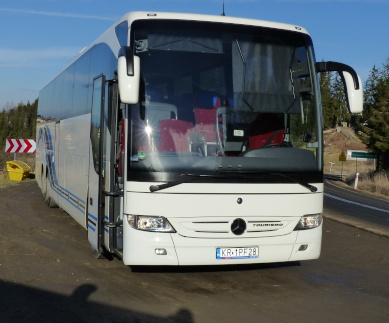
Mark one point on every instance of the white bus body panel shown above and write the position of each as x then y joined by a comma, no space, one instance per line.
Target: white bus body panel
195,243
73,161
70,156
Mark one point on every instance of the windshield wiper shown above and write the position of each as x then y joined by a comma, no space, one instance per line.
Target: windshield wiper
154,188
195,177
312,188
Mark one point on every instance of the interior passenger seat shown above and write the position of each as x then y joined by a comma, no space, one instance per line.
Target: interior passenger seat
175,135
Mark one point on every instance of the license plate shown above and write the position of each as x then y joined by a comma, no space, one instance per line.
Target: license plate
237,253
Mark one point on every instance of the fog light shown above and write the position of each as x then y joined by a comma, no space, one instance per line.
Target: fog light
303,247
161,252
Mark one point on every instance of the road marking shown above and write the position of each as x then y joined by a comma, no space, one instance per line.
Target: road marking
356,192
355,203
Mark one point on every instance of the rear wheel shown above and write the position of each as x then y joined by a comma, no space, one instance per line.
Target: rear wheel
43,182
49,201
46,188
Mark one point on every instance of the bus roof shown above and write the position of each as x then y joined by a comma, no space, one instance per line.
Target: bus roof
137,15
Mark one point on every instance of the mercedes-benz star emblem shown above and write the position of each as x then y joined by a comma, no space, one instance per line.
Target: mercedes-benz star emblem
238,227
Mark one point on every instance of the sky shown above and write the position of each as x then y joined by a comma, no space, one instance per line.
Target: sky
38,37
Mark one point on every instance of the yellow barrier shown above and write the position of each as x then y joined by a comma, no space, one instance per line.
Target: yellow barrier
17,170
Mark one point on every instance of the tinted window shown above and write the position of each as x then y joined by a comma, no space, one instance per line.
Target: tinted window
121,31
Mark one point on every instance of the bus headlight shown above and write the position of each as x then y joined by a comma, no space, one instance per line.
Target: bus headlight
309,221
150,223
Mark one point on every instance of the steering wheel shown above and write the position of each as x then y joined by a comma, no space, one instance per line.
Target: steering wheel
278,144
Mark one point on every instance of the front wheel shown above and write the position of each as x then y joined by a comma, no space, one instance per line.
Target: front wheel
96,254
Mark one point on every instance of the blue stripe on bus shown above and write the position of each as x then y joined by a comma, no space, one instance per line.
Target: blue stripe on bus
54,184
92,217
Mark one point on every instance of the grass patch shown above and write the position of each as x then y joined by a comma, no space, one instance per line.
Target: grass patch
374,182
5,182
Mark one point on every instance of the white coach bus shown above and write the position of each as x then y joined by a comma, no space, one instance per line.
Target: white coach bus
182,139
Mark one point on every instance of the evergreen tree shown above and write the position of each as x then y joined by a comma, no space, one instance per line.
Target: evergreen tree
370,94
16,115
340,101
22,121
3,127
327,100
31,117
334,101
375,128
18,122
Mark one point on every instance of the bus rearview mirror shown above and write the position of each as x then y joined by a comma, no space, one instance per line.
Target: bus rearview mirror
351,80
129,84
354,96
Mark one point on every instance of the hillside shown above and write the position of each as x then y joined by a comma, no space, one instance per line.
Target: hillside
343,139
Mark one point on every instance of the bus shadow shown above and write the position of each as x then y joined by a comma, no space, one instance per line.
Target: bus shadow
26,304
221,268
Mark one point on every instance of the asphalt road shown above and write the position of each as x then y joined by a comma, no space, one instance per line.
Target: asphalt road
366,211
48,274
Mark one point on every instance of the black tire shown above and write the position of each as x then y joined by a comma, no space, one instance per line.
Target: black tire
96,254
48,199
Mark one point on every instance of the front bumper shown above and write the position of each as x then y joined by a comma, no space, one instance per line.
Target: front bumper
140,248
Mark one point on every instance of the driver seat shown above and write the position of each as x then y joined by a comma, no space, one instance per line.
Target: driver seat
267,129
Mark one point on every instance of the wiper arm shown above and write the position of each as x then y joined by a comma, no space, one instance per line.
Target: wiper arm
154,188
196,177
312,188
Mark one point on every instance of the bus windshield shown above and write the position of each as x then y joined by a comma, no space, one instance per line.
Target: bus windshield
223,98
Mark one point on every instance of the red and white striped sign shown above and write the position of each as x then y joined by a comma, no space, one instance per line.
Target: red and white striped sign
20,146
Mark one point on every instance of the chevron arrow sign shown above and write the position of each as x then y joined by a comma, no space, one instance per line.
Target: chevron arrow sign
20,146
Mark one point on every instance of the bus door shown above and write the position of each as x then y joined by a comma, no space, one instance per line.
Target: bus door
104,195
